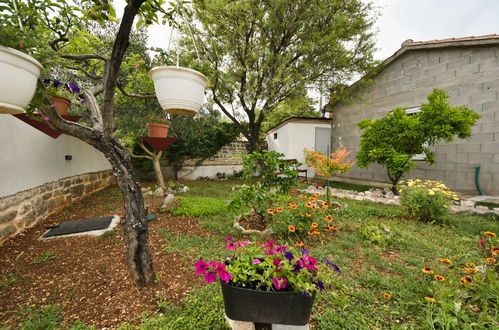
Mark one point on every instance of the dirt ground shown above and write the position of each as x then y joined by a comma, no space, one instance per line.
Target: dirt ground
87,277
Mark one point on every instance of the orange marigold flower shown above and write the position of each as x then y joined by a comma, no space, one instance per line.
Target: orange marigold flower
299,244
445,261
327,228
491,259
303,196
309,205
316,232
326,205
294,206
329,218
387,296
322,211
429,298
291,228
313,199
427,270
314,225
279,209
270,211
466,280
308,214
470,270
495,253
334,228
317,194
439,278
310,232
470,264
490,234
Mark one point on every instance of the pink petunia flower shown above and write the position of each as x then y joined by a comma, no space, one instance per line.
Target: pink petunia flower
201,266
256,261
280,282
225,276
210,277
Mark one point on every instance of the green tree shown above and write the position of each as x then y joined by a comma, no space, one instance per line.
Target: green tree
198,138
261,53
395,139
57,25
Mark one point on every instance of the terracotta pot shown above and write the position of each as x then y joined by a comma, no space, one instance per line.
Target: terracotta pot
179,90
61,104
157,130
292,308
18,76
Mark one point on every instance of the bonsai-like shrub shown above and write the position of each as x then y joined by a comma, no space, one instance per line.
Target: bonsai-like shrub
425,200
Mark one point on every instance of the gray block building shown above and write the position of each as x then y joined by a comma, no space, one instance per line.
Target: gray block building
468,70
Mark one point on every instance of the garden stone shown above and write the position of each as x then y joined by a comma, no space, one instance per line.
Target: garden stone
159,192
388,193
170,202
481,209
468,203
239,325
496,210
184,189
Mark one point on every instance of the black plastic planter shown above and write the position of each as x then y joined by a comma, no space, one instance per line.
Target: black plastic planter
291,308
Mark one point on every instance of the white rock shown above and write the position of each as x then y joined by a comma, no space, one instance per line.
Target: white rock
170,202
481,209
467,203
159,192
184,189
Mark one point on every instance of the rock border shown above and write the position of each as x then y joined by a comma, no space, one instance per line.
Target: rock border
266,232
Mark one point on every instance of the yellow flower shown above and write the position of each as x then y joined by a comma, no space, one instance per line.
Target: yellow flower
291,228
303,196
317,194
470,264
439,278
470,270
314,225
279,209
270,211
299,244
431,192
387,296
445,261
309,205
308,214
491,259
427,270
466,280
429,298
490,234
322,211
329,218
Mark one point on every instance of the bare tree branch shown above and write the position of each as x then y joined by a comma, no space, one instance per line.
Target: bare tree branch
88,74
85,57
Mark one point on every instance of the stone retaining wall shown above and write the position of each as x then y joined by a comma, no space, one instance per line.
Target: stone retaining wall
26,208
229,154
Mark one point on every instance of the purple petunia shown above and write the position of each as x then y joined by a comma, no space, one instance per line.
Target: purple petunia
57,83
210,277
280,282
335,267
201,266
74,87
288,255
303,251
320,285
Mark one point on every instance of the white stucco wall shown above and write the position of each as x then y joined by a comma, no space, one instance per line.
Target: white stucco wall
30,158
293,138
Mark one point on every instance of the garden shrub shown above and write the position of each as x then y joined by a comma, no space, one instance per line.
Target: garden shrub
258,196
199,206
378,233
425,200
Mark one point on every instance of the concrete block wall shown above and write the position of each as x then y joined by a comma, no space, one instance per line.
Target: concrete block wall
470,76
27,208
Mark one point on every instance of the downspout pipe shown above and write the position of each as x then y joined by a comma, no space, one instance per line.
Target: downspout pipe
477,180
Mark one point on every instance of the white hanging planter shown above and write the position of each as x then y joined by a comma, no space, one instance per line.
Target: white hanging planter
18,78
179,90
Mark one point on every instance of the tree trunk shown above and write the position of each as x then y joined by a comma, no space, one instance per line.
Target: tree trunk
136,228
157,169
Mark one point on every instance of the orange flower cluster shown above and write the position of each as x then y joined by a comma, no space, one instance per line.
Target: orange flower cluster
336,163
308,216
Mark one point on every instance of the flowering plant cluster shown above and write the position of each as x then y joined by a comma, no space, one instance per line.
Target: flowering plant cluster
469,273
269,267
159,120
425,200
305,216
69,91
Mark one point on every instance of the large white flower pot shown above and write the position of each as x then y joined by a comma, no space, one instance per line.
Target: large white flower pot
179,90
18,78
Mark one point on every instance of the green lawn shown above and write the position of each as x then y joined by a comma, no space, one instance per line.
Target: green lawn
370,271
381,285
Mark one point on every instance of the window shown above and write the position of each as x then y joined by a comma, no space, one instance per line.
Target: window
275,136
410,112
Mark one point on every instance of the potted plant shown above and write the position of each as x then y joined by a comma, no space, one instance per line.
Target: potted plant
62,94
158,127
179,90
268,283
18,78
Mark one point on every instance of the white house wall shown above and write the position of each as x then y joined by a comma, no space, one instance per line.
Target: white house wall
31,158
293,138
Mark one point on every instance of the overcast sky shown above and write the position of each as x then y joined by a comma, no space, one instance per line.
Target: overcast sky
432,19
407,19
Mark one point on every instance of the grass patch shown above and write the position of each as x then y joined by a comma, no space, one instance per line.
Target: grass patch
198,206
487,204
45,257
